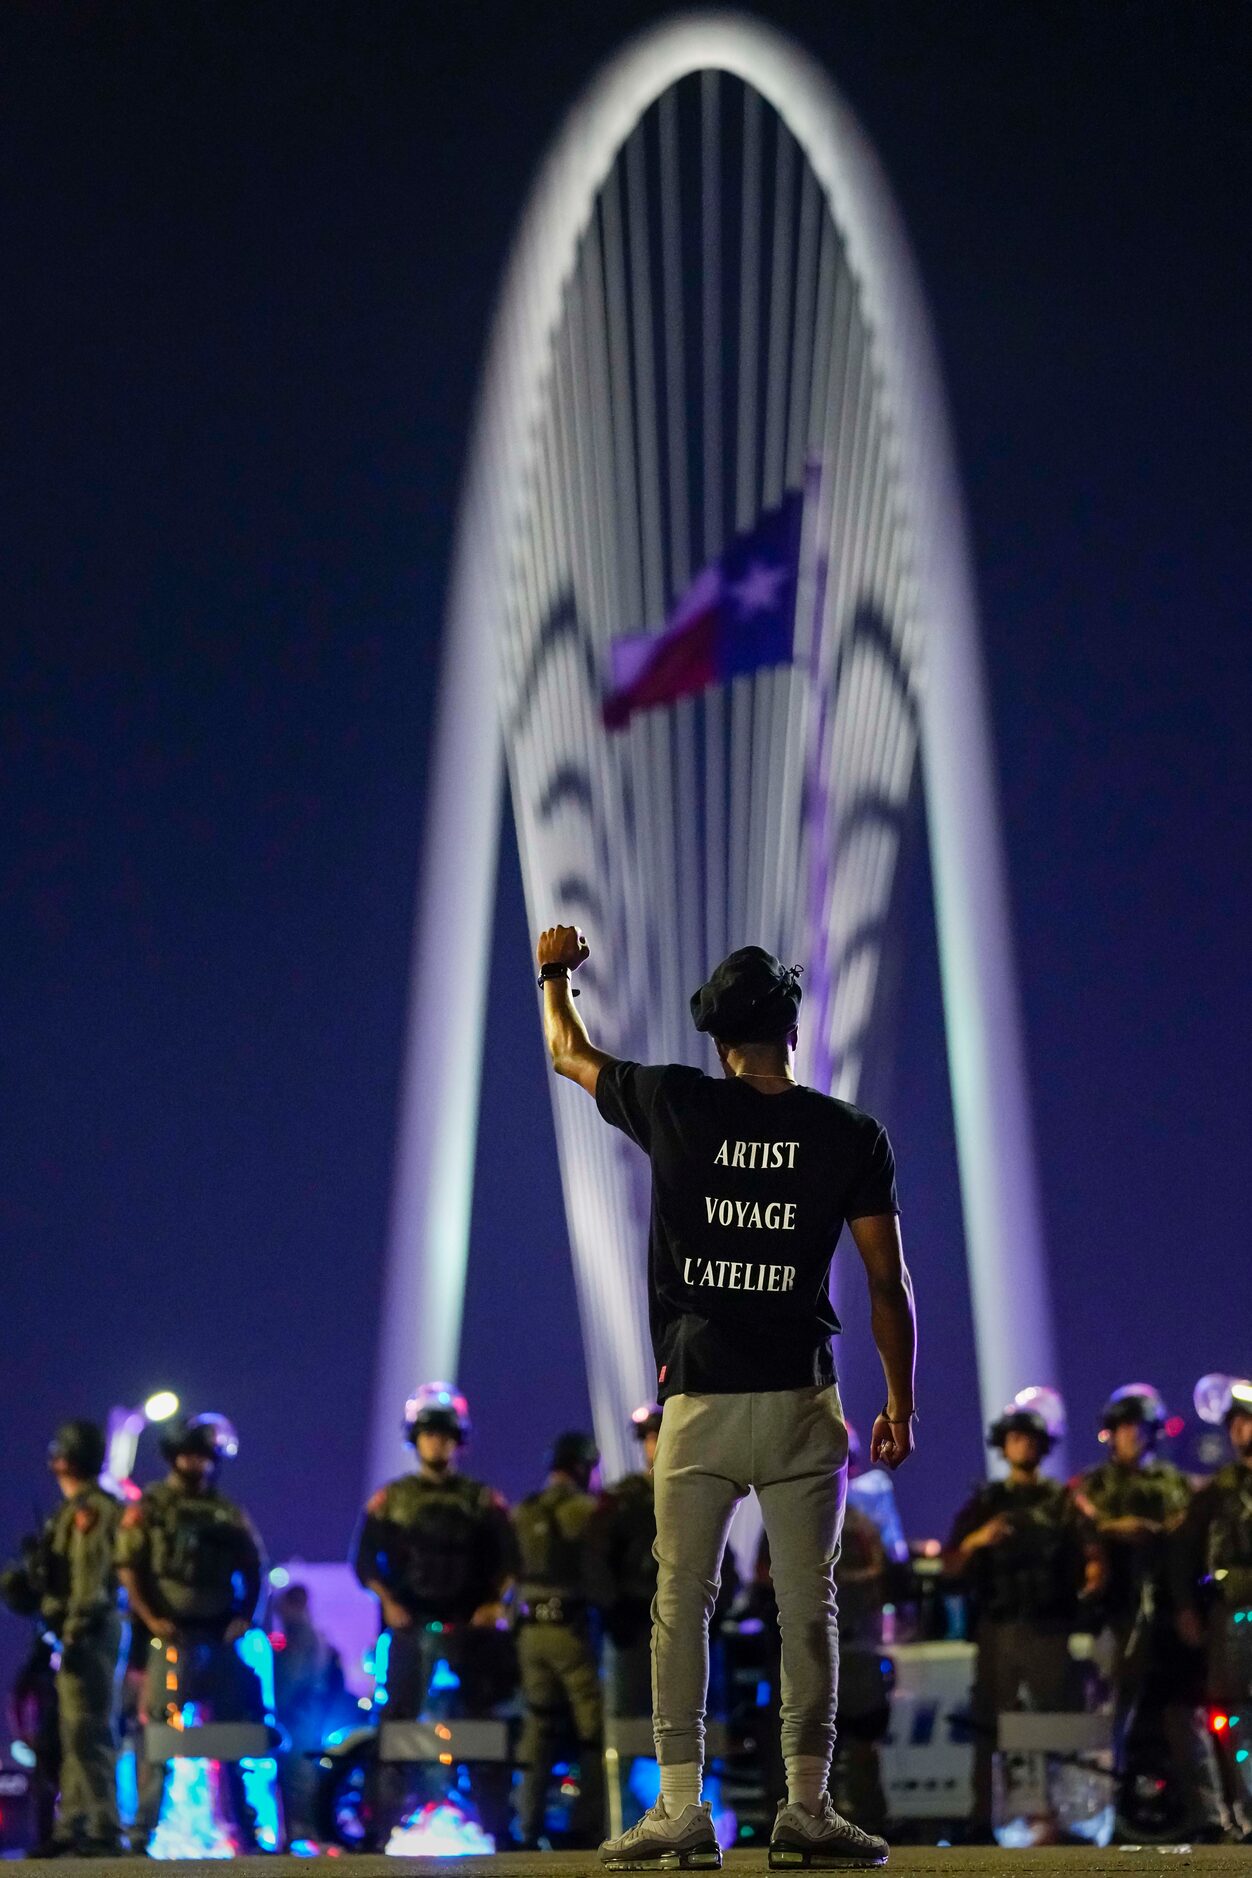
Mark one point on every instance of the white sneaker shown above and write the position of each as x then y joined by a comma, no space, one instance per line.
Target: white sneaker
824,1841
659,1843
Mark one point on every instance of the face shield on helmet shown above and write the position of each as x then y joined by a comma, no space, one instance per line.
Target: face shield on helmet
210,1435
1219,1399
439,1409
1046,1402
1036,1410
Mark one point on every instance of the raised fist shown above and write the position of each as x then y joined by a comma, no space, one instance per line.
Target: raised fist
562,945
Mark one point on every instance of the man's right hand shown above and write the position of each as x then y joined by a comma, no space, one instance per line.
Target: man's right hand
394,1614
562,945
890,1443
994,1532
1132,1526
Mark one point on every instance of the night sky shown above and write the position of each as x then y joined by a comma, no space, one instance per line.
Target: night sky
250,255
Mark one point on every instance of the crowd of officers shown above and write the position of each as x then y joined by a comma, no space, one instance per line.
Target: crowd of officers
555,1595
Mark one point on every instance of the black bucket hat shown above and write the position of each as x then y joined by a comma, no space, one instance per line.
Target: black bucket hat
750,998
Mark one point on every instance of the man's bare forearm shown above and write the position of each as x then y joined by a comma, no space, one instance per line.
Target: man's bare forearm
563,1029
561,950
894,1324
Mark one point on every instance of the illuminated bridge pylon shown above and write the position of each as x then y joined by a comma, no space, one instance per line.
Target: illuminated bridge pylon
710,307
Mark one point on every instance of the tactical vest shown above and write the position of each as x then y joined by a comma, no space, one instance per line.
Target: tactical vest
1155,1491
200,1553
1228,1548
635,1528
436,1557
1035,1573
551,1559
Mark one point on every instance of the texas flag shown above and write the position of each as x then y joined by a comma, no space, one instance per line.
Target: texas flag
737,615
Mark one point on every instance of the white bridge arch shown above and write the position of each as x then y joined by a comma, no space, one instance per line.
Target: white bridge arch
690,327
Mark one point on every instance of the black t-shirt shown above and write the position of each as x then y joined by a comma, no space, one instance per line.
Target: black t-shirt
749,1195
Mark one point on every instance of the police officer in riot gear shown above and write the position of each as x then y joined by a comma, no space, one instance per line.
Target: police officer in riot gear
1138,1503
72,1583
191,1564
621,1573
555,1650
1212,1566
437,1549
1025,1555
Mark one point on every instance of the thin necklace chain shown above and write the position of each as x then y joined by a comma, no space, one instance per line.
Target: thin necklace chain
764,1075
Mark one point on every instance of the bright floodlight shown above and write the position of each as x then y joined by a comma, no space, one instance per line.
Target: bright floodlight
159,1407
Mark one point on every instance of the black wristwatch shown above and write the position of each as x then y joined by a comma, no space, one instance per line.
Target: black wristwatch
554,970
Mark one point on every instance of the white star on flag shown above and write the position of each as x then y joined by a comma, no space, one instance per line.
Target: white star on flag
760,589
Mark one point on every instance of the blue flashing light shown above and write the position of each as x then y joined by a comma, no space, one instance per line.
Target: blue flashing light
382,1661
762,1694
444,1677
645,1782
1242,1755
127,1784
255,1649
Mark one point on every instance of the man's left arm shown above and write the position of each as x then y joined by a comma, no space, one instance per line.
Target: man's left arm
572,1052
893,1322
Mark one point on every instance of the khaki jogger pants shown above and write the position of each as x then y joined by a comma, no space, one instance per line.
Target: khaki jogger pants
791,1445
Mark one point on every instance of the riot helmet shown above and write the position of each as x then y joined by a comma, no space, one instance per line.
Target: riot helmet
1036,1410
437,1408
1136,1403
574,1453
646,1420
210,1435
81,1446
1240,1400
1021,1421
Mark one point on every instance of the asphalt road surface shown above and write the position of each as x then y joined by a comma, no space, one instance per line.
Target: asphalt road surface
915,1861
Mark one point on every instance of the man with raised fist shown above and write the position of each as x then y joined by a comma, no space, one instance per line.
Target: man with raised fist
753,1179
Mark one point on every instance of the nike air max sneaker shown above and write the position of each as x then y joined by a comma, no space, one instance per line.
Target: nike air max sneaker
825,1841
659,1843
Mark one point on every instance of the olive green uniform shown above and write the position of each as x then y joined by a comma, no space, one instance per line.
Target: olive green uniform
1024,1602
556,1656
621,1582
442,1547
1152,1669
1212,1576
80,1607
199,1564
